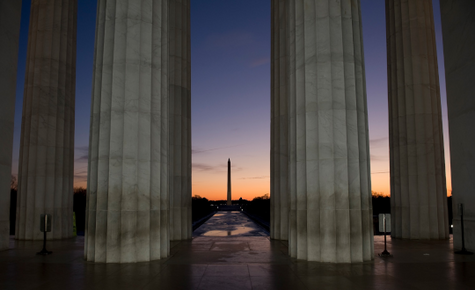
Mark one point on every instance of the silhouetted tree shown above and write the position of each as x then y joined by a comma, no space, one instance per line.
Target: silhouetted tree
200,207
260,207
381,203
265,196
79,208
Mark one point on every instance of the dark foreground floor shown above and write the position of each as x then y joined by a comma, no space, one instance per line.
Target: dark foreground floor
231,252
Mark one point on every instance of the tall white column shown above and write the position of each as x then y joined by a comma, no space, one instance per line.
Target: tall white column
46,171
458,26
330,187
279,122
417,167
128,198
10,12
180,120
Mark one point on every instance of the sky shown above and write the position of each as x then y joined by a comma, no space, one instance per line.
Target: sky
230,71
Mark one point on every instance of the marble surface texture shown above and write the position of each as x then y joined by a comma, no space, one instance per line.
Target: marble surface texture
417,166
10,12
46,172
180,120
279,122
329,175
127,215
458,27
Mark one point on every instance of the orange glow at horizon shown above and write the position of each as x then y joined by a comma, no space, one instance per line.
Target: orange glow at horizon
215,188
246,183
242,190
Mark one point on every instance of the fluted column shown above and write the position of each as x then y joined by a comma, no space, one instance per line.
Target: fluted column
180,120
279,122
46,171
128,199
458,26
330,187
10,12
417,168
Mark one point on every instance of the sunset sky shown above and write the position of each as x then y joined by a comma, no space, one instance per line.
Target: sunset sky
231,93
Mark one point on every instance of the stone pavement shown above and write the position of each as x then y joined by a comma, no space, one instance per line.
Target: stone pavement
231,252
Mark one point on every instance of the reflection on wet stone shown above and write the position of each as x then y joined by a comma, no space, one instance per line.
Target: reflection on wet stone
241,261
232,224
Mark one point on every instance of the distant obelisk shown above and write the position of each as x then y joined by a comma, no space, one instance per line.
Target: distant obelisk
229,182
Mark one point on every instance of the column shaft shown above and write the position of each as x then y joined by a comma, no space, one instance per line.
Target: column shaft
46,171
417,167
458,26
10,12
180,120
279,122
128,199
329,174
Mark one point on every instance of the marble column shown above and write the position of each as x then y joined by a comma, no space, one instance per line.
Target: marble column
279,225
46,172
458,26
180,120
10,12
128,199
417,168
330,188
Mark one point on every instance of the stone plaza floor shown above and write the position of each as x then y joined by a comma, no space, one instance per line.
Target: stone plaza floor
229,251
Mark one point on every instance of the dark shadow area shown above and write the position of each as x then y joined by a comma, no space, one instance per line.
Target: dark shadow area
450,212
13,195
201,207
381,204
259,207
79,208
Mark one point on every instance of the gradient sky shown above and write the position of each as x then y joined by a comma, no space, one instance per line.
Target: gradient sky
231,93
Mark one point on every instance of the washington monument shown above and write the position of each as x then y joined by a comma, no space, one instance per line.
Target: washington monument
229,183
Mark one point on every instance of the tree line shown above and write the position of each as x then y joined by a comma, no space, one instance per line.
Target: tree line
201,206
